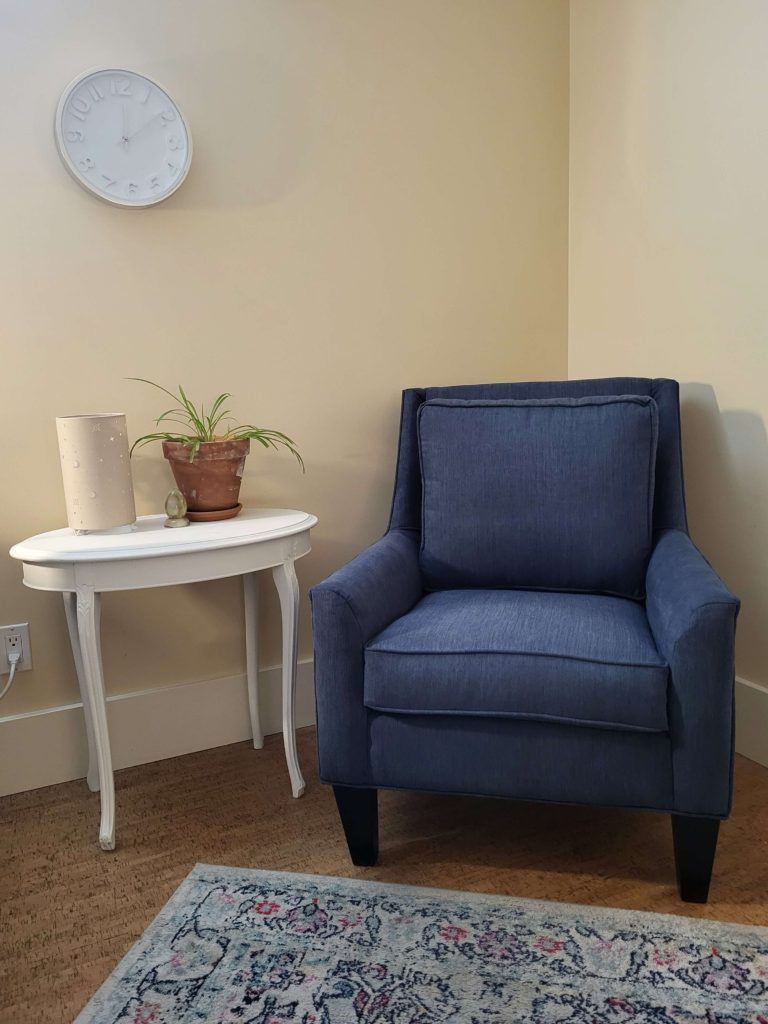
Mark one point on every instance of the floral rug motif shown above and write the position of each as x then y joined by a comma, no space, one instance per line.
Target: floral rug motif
234,946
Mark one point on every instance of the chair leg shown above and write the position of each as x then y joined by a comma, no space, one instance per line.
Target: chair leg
359,813
695,841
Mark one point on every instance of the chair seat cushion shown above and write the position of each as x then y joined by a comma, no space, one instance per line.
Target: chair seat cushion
548,494
582,659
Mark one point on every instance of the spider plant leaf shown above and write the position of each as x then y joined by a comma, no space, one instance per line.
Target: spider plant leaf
217,414
194,416
214,416
217,420
161,436
143,380
200,427
269,439
176,411
167,418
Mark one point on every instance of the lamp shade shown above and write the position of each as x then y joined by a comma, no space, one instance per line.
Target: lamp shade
96,469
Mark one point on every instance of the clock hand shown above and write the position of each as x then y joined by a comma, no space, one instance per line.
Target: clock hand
145,125
125,137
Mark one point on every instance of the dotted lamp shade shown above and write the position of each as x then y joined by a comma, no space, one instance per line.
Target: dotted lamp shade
96,470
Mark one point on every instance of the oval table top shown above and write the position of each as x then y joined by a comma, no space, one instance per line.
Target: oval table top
150,538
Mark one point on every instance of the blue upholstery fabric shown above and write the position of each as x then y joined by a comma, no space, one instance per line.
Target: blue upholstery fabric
406,495
545,493
691,615
348,610
521,760
669,501
573,658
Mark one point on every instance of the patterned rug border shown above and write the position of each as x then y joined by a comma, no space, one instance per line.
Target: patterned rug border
679,925
479,898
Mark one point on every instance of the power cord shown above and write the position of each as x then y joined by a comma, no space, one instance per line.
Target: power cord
14,657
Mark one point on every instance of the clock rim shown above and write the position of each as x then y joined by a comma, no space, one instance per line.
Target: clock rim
69,165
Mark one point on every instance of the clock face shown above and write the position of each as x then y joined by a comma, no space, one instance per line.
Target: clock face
122,137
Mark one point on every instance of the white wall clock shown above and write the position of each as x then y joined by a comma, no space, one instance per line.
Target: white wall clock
121,137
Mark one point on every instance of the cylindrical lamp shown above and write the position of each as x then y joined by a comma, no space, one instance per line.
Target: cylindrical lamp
96,469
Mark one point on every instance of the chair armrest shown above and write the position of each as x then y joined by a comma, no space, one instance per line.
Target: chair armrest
349,609
692,615
378,585
681,588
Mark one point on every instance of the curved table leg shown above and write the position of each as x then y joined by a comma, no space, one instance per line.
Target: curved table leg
70,607
288,592
88,618
251,603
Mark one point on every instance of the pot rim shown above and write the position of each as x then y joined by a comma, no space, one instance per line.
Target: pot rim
222,440
236,448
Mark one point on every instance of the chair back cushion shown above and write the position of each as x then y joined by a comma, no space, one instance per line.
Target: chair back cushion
669,497
551,494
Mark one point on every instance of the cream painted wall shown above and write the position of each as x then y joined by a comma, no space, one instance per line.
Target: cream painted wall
669,249
378,199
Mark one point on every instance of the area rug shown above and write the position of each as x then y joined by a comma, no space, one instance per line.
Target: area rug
234,946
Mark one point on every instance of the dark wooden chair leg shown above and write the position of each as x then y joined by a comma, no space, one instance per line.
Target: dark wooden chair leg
359,813
695,842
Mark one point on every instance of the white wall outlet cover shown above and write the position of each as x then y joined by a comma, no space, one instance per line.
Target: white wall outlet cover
12,638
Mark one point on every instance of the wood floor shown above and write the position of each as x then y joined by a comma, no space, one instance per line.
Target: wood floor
68,912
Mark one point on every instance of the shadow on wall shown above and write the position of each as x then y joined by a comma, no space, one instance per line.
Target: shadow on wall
725,455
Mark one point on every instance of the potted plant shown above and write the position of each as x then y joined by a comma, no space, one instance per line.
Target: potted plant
207,456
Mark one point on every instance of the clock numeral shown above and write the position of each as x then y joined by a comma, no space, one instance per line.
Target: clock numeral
86,163
174,142
147,94
95,91
168,115
153,181
172,168
74,135
79,107
120,86
132,188
108,182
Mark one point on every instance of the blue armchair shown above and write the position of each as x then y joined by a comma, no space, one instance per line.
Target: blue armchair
536,623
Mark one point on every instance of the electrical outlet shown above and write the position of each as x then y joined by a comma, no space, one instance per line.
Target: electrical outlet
13,638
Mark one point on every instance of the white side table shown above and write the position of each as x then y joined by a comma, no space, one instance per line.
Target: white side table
83,568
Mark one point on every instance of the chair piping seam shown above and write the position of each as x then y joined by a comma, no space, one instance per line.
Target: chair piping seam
529,716
525,654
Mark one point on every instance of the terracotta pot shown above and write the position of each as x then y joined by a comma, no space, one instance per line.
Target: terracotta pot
210,483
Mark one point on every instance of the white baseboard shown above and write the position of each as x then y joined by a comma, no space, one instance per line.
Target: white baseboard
752,720
45,747
42,748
